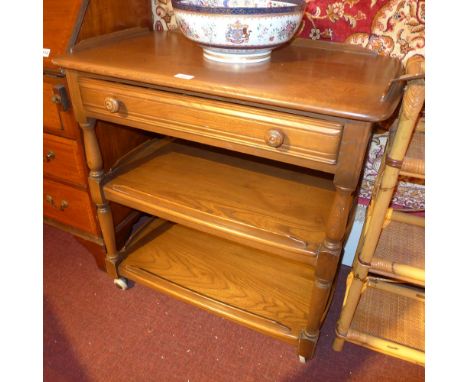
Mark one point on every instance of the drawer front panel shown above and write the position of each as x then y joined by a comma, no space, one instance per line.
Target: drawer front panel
51,114
281,136
55,120
69,206
64,159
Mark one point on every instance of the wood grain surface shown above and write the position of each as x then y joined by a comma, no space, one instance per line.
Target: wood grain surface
107,16
55,120
60,19
305,141
67,163
305,75
254,288
78,213
280,208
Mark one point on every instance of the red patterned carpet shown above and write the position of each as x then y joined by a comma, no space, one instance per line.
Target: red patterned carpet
95,332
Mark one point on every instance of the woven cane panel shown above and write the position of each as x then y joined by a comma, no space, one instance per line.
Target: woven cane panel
391,317
402,243
414,160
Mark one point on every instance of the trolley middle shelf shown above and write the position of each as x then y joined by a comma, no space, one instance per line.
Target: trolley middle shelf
275,207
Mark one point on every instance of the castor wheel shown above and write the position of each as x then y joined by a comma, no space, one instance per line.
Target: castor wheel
121,283
302,359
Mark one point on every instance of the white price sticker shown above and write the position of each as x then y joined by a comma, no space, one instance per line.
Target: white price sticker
184,76
45,52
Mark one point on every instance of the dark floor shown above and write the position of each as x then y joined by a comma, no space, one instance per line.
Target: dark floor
95,332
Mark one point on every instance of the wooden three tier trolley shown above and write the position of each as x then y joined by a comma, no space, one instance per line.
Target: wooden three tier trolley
250,175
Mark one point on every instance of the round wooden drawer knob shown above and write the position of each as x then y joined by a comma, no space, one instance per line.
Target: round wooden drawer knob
274,138
112,105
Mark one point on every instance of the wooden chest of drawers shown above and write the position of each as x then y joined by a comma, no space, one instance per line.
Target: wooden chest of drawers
66,200
252,185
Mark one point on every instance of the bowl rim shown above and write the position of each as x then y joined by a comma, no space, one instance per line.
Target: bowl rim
296,6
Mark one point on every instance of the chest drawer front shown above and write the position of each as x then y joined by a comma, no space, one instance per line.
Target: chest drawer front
63,159
51,115
69,205
55,120
281,136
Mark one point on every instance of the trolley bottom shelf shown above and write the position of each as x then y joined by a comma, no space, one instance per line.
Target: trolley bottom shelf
259,290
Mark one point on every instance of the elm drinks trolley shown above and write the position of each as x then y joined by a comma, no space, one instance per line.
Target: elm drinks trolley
250,175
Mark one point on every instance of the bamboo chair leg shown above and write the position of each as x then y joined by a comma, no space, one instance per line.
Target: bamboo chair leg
354,289
338,344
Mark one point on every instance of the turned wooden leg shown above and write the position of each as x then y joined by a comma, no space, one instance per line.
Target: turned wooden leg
327,263
107,227
96,174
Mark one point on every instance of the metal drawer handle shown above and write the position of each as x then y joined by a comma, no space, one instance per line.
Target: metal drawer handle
49,156
112,104
274,138
63,203
60,97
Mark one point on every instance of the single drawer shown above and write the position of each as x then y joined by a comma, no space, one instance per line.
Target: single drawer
276,135
55,119
69,206
64,159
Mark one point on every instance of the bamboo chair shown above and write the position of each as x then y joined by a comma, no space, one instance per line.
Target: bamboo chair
387,315
413,163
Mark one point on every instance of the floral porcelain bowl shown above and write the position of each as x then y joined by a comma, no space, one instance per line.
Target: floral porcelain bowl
239,31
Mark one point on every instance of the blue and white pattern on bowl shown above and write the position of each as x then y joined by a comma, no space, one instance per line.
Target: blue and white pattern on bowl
239,30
